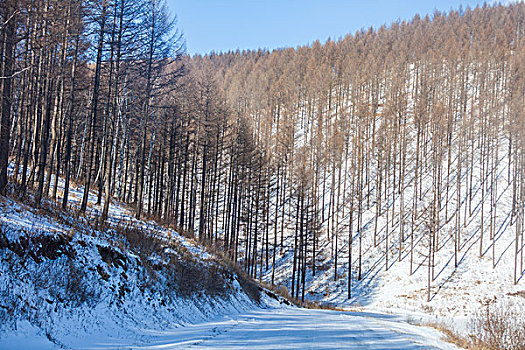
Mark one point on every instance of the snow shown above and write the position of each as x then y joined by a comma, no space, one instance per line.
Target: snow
26,336
272,328
38,309
295,328
144,320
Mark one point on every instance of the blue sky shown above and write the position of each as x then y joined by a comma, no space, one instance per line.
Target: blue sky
223,25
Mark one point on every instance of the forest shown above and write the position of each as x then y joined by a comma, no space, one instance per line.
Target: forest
390,139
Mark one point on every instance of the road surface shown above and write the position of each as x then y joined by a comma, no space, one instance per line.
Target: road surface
295,328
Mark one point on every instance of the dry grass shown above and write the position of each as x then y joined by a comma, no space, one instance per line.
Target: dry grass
499,326
494,327
454,338
283,292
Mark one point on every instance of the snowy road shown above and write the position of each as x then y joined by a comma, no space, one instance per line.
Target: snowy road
292,328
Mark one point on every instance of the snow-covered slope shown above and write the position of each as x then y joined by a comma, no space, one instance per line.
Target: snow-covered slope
70,282
485,262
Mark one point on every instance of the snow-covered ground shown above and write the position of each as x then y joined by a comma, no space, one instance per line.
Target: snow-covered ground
295,328
124,315
273,328
66,282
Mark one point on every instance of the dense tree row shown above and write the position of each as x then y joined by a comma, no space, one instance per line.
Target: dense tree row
83,83
401,140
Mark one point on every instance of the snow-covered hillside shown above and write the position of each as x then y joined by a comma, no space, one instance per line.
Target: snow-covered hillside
455,292
476,244
66,280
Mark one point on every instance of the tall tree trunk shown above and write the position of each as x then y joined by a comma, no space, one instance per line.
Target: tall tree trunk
8,42
94,106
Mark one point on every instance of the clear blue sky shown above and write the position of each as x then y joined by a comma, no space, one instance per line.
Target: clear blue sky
223,25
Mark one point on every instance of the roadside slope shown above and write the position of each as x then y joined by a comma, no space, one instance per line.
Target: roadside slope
66,280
